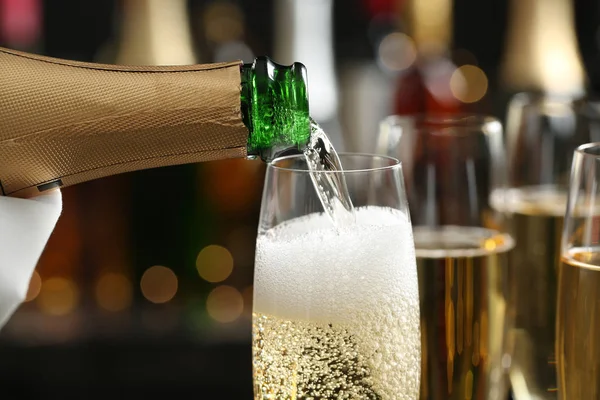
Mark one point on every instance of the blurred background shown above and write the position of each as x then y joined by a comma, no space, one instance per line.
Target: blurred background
146,293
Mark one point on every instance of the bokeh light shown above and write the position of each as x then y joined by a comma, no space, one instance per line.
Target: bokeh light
58,296
113,292
214,263
397,51
159,284
225,304
468,83
35,285
490,244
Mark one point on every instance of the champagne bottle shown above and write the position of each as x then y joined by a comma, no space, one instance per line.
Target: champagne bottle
65,122
542,56
424,87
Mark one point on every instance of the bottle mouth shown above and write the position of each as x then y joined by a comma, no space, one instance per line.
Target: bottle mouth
275,107
264,66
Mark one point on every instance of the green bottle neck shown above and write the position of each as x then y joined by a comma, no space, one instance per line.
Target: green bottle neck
274,103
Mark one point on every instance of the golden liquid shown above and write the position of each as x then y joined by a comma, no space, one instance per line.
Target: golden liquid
536,225
303,359
463,284
308,360
578,325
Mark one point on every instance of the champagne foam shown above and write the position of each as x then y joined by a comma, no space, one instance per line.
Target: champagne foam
305,269
530,200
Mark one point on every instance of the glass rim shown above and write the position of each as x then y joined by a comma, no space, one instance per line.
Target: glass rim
585,105
446,123
445,119
584,148
394,164
532,96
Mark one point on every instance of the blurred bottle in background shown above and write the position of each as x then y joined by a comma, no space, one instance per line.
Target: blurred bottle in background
423,59
155,32
413,66
221,25
366,88
434,76
541,52
304,31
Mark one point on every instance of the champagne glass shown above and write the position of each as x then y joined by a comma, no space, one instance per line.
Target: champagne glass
542,134
578,310
451,167
336,310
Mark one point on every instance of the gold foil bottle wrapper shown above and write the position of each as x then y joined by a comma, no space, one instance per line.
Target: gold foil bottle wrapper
66,122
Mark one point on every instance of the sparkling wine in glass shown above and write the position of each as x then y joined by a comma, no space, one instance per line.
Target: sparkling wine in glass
336,308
